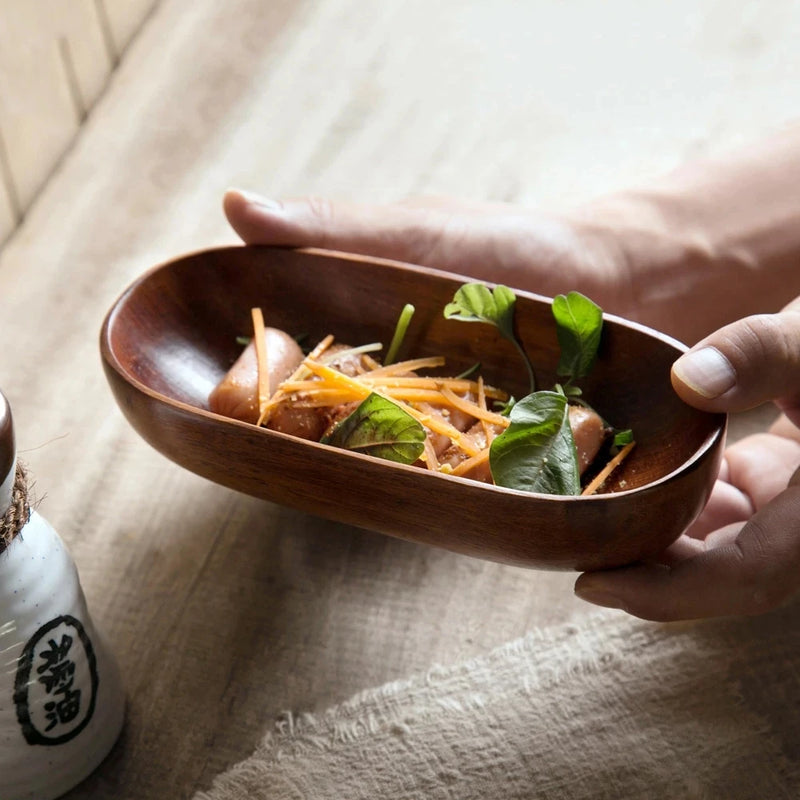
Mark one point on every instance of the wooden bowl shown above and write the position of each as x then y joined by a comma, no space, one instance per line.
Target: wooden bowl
173,334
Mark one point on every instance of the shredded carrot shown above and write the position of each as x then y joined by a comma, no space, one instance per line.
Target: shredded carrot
454,384
262,358
298,373
469,463
332,377
432,422
440,425
433,397
431,460
323,398
320,396
422,390
412,365
315,384
602,476
370,362
473,409
487,430
320,348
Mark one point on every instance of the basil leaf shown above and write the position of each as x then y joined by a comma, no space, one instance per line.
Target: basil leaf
579,323
379,427
536,453
475,302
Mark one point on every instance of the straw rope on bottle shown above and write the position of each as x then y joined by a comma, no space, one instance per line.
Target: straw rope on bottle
19,511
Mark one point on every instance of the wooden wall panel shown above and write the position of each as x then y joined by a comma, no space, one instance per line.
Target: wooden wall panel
37,112
124,18
55,59
8,217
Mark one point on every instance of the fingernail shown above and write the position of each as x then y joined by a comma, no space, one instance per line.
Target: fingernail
599,597
706,371
258,200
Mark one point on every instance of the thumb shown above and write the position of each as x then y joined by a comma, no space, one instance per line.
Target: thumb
744,364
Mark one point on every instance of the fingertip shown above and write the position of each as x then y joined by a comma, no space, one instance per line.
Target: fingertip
742,365
703,375
593,591
255,218
641,590
233,202
244,201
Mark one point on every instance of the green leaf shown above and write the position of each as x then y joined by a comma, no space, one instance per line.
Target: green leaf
536,453
380,428
475,302
579,323
621,438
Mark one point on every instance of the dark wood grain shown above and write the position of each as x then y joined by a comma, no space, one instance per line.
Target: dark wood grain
172,335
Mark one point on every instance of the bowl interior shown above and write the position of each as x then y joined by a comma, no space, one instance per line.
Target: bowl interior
176,332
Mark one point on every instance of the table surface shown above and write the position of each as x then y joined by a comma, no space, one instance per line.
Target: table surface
225,611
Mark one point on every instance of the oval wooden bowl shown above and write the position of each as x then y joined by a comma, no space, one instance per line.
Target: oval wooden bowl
173,334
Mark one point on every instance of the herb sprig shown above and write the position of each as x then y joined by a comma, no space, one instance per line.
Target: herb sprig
536,453
475,302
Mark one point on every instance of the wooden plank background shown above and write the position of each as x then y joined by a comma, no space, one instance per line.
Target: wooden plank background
56,58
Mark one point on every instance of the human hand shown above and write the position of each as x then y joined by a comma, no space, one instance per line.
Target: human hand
742,555
487,241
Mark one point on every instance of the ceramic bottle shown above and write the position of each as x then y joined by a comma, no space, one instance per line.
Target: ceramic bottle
61,698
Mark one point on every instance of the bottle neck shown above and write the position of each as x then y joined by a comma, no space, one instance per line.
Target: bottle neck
8,456
7,488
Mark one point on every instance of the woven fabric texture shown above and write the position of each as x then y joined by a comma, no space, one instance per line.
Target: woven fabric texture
613,708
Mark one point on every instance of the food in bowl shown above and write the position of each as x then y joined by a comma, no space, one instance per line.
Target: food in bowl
550,441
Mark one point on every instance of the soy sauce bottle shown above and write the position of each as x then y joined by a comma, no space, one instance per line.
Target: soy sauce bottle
61,698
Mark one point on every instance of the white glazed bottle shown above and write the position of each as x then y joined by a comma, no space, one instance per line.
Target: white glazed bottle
61,698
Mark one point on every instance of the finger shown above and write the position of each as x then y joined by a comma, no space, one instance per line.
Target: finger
726,506
444,202
397,233
682,548
745,570
743,364
492,242
433,231
784,427
760,466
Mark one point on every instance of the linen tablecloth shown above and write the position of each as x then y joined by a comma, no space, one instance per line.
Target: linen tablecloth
609,708
226,612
